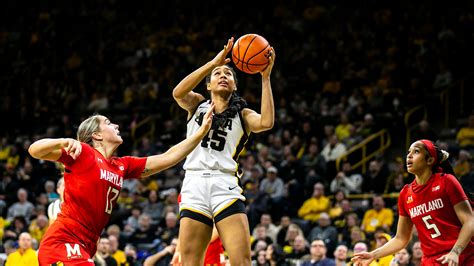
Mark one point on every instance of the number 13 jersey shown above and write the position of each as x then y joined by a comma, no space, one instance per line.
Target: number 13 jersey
220,149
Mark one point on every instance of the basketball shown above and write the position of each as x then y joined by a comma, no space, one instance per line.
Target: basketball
250,53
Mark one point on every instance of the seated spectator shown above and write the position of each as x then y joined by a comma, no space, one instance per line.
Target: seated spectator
260,234
132,221
401,258
22,207
115,252
351,220
340,255
170,230
266,221
258,202
282,228
424,131
275,255
50,189
325,232
164,256
314,206
377,216
38,227
380,240
104,251
298,249
25,254
153,207
331,152
293,231
272,184
346,180
461,164
336,204
313,159
362,246
16,227
375,179
465,135
416,254
145,232
318,255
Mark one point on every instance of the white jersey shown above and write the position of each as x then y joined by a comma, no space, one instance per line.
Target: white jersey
220,149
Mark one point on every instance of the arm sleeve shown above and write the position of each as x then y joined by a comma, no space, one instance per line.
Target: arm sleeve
401,202
133,166
454,190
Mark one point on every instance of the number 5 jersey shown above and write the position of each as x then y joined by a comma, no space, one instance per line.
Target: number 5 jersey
431,209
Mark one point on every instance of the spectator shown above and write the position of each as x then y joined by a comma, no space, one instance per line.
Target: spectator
461,164
282,229
377,216
24,255
346,180
298,249
272,184
417,254
401,258
340,255
380,240
104,251
266,221
164,256
325,232
115,252
375,179
424,131
55,207
22,207
145,232
361,246
38,227
16,227
314,206
153,207
170,230
318,255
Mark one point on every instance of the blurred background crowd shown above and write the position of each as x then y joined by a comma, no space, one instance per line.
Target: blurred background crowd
344,72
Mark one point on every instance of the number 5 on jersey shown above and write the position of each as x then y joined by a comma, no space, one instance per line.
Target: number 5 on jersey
216,138
431,226
112,195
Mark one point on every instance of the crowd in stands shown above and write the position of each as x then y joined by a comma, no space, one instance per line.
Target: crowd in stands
343,73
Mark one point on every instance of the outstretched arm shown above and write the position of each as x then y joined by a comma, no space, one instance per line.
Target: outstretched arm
183,93
177,153
264,121
400,240
50,149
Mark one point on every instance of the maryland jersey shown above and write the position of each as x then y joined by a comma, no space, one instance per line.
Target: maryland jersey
430,208
220,149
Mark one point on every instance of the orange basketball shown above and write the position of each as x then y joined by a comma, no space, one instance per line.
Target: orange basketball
250,53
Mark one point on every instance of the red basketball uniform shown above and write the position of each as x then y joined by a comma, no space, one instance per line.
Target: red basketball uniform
92,186
431,209
213,253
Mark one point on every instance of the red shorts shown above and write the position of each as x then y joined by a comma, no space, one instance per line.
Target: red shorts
68,243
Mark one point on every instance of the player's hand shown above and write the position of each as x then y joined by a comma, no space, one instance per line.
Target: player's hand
220,58
207,119
271,58
72,147
362,259
452,259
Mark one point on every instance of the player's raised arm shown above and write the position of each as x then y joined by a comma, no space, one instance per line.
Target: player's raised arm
177,153
50,149
183,93
265,120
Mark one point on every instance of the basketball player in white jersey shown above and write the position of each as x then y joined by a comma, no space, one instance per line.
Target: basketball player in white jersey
55,207
211,191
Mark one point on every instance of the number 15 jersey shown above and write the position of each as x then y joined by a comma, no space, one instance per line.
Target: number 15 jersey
221,148
431,209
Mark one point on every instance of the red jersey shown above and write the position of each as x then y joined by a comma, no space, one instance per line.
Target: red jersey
92,186
213,253
431,209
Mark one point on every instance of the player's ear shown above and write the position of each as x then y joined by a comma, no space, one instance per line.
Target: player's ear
97,136
430,161
208,86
